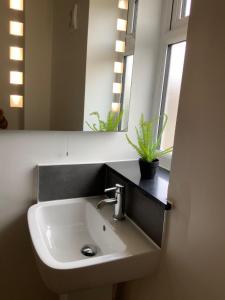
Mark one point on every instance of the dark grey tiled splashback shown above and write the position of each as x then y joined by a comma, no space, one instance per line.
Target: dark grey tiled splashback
70,181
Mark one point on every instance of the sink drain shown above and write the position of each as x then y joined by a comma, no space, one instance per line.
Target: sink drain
89,250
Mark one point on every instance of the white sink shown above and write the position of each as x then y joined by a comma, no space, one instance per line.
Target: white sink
59,230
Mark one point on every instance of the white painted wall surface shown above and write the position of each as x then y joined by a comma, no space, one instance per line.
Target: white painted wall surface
193,257
21,151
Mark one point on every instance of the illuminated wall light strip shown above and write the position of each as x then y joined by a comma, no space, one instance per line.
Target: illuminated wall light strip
120,46
16,4
16,28
123,4
117,88
16,101
115,107
16,77
118,67
16,53
121,25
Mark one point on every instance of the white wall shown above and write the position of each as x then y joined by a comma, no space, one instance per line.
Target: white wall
21,151
193,257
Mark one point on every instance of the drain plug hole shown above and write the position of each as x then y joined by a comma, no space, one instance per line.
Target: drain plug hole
89,250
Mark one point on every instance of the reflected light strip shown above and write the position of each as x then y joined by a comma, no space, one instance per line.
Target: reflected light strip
16,4
16,28
118,67
16,77
117,88
16,101
16,53
120,46
115,107
121,25
123,4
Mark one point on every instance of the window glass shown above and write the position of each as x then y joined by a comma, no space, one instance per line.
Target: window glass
186,9
172,87
126,89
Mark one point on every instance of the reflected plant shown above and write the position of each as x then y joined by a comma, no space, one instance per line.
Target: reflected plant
110,125
148,145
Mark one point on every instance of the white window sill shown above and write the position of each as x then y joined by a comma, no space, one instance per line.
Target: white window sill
165,161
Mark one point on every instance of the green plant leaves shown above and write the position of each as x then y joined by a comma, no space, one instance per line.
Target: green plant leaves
110,125
148,146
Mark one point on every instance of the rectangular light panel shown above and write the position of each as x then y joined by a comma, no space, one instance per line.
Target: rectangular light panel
115,107
123,4
118,67
16,53
16,28
16,77
16,101
120,46
117,88
121,25
16,4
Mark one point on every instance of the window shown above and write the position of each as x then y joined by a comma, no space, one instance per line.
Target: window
180,12
173,48
128,62
172,91
186,8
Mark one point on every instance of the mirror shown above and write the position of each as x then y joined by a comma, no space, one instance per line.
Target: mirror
66,64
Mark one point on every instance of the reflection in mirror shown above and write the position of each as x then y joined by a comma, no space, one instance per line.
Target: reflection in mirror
66,64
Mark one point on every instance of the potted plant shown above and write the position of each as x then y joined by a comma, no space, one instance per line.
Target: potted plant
148,146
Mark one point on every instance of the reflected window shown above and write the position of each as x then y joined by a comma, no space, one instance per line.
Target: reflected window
127,80
186,8
172,86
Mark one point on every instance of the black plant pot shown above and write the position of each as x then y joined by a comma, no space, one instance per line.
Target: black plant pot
148,169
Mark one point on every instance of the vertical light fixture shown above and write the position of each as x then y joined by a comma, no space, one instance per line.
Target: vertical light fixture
120,49
16,4
16,53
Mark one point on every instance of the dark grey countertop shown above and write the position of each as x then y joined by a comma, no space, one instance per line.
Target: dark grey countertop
156,188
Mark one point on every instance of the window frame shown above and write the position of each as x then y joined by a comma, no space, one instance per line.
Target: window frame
177,19
173,30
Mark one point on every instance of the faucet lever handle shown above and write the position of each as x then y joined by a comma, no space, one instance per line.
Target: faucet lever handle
116,188
110,189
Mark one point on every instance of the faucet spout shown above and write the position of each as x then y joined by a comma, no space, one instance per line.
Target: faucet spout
105,202
117,201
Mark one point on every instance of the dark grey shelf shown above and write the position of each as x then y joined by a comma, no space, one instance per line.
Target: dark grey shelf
156,188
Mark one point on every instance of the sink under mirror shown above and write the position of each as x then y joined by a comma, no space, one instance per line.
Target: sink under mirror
80,247
67,64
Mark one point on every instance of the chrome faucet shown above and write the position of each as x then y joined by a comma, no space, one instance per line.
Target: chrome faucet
118,201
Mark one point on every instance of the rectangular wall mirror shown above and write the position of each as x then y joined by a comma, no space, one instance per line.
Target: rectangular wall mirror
66,65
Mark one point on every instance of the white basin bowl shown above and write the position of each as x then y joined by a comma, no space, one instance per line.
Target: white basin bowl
59,230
